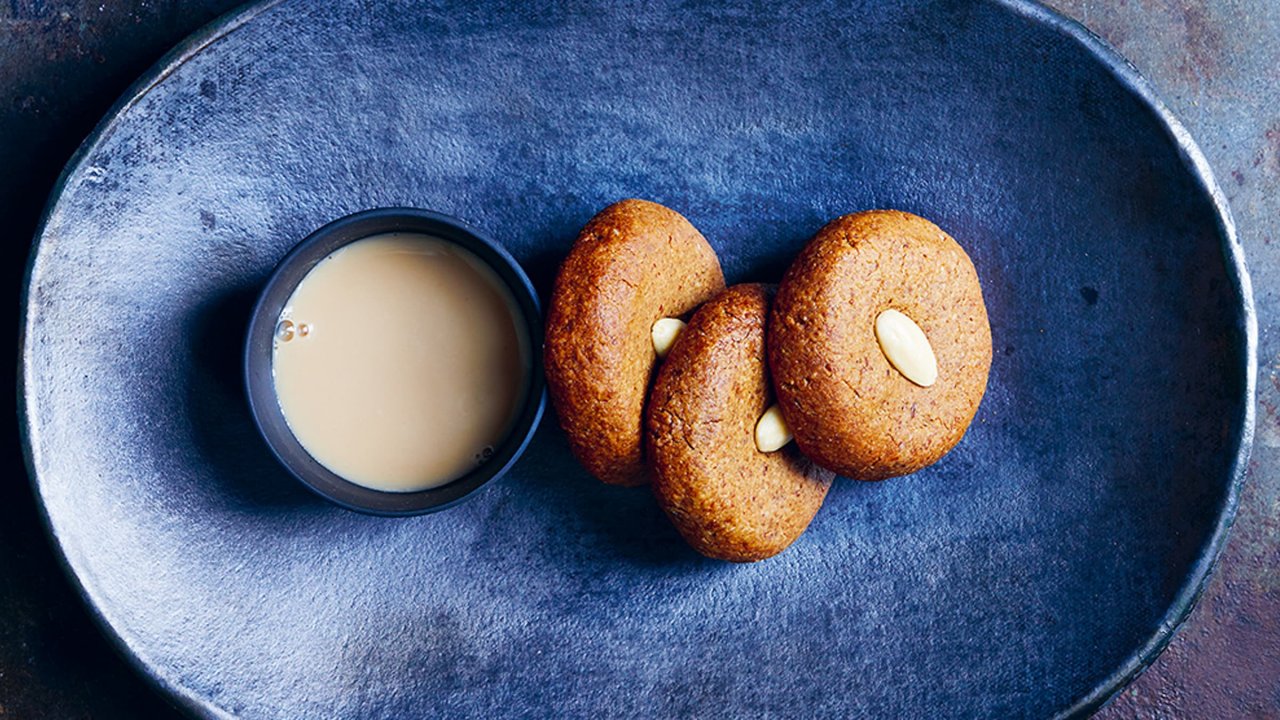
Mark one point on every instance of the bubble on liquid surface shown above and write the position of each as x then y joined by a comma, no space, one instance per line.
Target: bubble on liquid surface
304,330
284,331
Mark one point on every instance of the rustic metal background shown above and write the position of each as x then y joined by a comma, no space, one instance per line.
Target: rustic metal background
1215,62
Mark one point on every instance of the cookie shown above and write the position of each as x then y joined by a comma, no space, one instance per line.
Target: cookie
853,408
729,500
634,263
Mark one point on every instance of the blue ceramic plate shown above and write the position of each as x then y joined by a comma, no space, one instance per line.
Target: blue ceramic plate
1032,572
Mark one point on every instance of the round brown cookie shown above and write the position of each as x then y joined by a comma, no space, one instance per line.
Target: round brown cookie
634,262
849,409
729,500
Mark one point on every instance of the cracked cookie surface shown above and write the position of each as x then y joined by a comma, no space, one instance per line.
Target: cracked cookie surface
634,262
851,411
728,500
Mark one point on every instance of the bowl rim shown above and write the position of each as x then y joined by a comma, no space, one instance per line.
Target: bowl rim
259,386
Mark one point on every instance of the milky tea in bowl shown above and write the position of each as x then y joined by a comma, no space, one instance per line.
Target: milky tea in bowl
399,362
390,363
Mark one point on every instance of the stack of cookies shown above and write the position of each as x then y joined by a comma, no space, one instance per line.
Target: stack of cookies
872,353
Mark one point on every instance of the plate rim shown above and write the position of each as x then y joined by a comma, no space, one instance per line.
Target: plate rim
169,689
1193,158
1123,71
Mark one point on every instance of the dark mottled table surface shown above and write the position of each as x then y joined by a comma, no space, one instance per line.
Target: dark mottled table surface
1215,62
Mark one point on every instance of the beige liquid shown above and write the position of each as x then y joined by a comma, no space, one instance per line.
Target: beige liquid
399,362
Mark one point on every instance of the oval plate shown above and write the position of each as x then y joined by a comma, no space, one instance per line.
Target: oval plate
1032,572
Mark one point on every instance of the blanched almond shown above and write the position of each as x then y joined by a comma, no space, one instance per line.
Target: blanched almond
665,331
906,347
772,433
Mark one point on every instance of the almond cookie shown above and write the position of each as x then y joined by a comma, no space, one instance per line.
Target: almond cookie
879,344
634,263
727,498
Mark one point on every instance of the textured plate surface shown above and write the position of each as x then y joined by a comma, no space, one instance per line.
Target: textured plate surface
1031,572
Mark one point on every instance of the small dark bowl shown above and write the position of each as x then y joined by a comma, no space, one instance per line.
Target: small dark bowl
260,384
